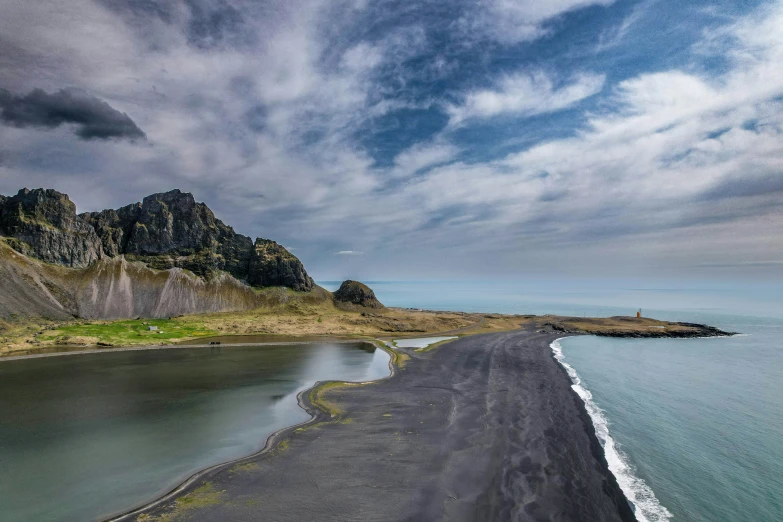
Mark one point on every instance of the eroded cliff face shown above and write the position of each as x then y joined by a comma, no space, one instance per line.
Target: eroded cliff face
272,265
171,230
112,288
44,224
27,290
116,288
167,255
113,227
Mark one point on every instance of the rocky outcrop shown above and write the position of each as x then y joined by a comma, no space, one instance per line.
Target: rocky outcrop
171,230
627,327
113,227
165,231
44,224
356,293
272,265
686,331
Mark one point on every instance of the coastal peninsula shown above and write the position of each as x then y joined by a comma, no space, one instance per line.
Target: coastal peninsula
482,427
486,427
391,261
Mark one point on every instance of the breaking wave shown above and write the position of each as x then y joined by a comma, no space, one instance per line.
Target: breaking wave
646,505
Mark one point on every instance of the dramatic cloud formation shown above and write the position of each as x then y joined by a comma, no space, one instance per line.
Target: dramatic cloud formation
527,95
94,118
441,139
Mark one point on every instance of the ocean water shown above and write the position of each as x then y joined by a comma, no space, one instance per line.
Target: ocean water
692,428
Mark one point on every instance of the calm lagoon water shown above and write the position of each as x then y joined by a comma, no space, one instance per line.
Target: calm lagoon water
694,427
421,342
83,437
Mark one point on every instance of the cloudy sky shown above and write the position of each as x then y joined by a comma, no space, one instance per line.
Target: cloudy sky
419,139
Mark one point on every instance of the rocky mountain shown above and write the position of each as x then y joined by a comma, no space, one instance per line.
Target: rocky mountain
171,230
167,230
166,255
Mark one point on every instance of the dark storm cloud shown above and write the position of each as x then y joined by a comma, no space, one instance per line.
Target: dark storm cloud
93,117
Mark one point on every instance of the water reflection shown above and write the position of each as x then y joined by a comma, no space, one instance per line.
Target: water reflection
86,436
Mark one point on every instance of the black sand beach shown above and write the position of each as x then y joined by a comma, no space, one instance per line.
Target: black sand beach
483,428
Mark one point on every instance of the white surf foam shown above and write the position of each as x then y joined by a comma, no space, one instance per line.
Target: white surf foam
648,508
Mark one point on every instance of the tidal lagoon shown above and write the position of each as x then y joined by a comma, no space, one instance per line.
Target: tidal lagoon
83,437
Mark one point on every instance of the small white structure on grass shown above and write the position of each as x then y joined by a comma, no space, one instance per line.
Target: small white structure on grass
152,328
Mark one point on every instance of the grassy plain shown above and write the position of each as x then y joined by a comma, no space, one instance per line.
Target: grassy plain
288,313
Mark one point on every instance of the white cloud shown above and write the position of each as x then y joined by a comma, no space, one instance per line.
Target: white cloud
643,178
423,156
526,94
676,166
522,20
659,160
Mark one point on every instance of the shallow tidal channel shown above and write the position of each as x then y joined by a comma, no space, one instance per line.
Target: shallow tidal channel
84,437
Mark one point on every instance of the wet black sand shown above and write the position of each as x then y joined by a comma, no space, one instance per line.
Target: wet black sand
483,428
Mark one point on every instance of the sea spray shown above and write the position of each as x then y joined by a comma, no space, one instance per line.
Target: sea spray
647,507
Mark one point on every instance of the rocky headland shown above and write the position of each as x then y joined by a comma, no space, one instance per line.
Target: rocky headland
166,255
458,433
486,427
627,327
169,256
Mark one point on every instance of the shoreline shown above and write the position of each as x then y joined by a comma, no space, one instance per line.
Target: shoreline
598,448
294,485
624,327
154,347
590,411
319,416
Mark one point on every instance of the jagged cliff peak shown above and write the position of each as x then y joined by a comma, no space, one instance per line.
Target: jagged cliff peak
165,230
272,265
170,229
44,224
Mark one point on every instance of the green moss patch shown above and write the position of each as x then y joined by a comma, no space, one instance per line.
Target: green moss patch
202,497
245,468
131,332
318,394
